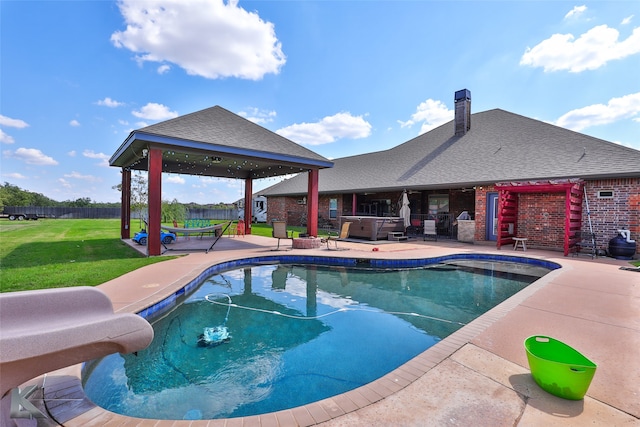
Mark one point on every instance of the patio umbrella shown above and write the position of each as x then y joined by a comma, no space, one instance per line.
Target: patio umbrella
405,210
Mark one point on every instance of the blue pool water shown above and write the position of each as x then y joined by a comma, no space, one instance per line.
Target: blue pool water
298,333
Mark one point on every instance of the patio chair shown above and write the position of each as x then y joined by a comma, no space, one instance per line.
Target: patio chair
240,228
344,233
415,228
586,241
430,229
280,232
175,225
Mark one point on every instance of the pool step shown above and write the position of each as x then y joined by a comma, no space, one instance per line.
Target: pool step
397,236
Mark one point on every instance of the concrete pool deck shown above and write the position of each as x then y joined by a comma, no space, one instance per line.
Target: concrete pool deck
477,376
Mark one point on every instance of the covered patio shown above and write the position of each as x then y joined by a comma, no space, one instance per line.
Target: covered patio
215,143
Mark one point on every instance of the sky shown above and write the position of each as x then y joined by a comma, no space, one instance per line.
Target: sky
339,77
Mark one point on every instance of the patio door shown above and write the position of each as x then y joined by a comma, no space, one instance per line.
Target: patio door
492,216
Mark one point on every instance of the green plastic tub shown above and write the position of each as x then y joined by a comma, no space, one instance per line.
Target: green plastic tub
558,368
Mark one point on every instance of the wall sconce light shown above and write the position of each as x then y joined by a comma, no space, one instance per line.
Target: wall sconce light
145,152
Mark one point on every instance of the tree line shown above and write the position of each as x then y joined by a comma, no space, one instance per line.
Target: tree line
12,195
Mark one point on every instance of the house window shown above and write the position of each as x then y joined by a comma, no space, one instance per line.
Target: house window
333,208
605,194
438,203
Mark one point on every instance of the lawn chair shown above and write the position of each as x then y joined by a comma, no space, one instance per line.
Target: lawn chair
586,241
430,229
344,233
415,228
240,228
280,232
175,225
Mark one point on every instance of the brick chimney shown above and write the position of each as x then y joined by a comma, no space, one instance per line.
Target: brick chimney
462,120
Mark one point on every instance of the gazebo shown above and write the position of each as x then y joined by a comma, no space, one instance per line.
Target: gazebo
217,143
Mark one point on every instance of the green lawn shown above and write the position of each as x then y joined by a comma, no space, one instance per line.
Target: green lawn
51,253
263,229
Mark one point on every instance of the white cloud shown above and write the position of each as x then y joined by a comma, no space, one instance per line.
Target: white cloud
32,156
12,123
111,103
626,20
6,138
625,107
87,178
205,181
212,39
575,12
64,183
104,158
72,153
153,111
258,116
74,123
163,69
590,51
175,179
431,114
14,175
329,129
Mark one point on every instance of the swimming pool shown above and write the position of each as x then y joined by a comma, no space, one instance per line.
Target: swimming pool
292,326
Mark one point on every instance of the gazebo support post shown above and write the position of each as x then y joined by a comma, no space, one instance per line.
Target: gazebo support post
155,201
125,205
248,205
312,203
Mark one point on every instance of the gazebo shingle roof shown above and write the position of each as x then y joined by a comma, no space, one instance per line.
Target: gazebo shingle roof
241,148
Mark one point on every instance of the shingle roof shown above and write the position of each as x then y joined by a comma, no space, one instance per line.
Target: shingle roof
217,132
219,126
500,146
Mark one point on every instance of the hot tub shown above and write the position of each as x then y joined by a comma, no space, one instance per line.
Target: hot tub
373,227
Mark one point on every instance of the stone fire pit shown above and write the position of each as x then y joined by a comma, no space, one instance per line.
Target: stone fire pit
306,243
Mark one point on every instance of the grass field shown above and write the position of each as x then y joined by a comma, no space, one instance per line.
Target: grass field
51,253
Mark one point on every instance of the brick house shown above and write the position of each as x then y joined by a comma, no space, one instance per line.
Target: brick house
471,164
